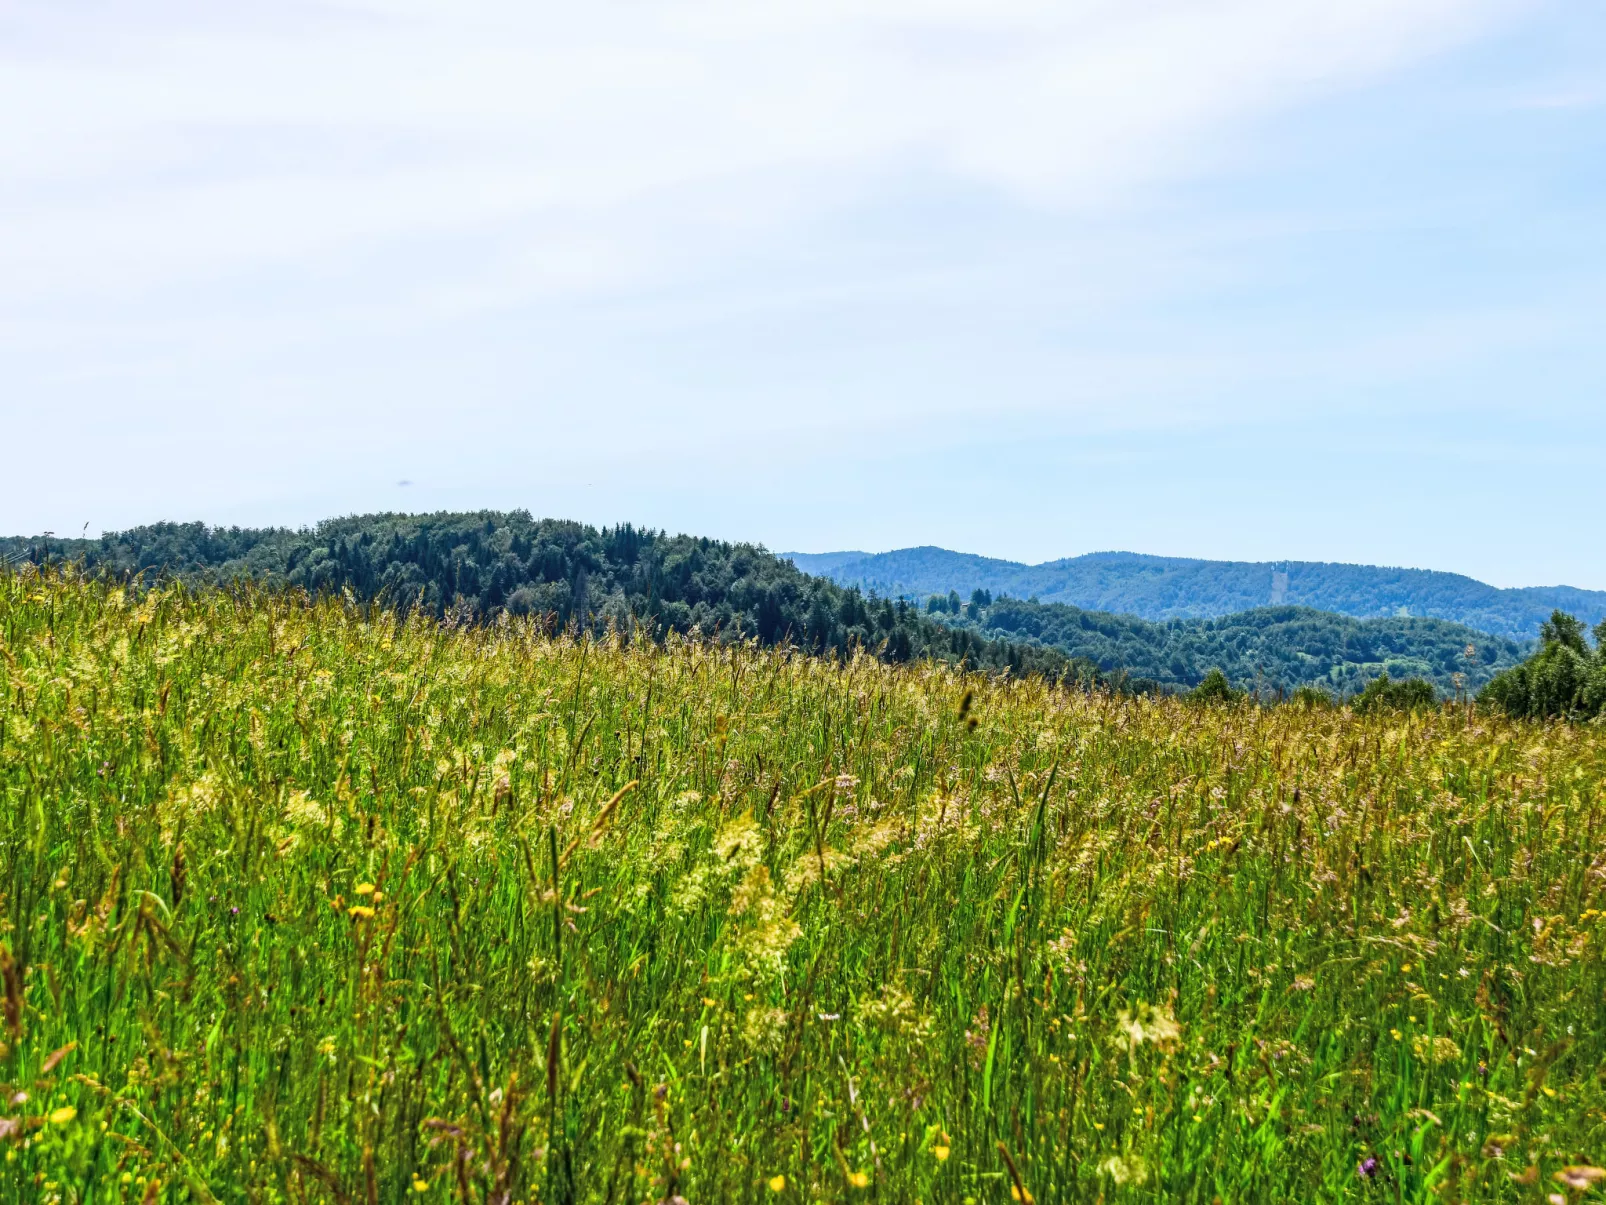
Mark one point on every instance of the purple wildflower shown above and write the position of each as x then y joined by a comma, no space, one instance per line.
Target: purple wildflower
1367,1167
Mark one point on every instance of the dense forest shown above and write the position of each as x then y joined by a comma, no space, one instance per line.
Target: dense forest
1160,588
1270,648
1565,679
476,566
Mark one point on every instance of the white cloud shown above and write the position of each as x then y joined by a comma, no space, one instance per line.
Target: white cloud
610,145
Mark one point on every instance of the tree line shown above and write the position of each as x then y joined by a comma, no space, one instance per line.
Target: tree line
1272,650
470,567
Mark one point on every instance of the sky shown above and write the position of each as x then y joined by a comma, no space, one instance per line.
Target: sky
1248,279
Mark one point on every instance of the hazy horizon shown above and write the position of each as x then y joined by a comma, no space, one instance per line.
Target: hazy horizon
855,552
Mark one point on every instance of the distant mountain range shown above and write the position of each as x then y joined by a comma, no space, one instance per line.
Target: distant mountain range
1159,588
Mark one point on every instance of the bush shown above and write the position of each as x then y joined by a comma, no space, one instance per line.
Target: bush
1565,679
1313,697
1216,689
1384,694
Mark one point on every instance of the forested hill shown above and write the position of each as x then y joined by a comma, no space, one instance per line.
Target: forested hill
476,566
1157,588
1270,648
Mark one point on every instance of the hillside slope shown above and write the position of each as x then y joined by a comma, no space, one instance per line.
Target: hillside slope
1155,587
1269,648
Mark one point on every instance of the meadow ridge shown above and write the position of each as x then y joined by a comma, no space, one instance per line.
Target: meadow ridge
306,901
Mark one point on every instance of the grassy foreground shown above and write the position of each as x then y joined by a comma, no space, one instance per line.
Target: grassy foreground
303,903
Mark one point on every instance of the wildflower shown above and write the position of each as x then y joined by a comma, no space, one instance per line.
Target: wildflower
977,1039
1148,1023
1435,1050
763,1029
1367,1167
63,1115
1130,1170
1019,1194
1580,1176
364,888
420,1185
859,1179
942,1153
777,1183
1303,983
361,911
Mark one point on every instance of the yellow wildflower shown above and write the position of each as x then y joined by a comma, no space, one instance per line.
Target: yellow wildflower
364,889
777,1183
941,1152
62,1115
859,1179
362,911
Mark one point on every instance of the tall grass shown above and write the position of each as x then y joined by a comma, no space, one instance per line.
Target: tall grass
306,903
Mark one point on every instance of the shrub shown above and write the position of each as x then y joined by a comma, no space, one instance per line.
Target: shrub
1565,679
1216,689
1385,694
1313,697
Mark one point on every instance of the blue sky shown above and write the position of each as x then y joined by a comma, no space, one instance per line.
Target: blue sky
1302,279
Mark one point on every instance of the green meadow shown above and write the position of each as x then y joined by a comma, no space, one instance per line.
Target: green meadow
307,902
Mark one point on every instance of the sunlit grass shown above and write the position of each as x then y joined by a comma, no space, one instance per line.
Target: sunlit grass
304,903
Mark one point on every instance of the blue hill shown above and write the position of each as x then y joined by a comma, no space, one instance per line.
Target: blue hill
1157,588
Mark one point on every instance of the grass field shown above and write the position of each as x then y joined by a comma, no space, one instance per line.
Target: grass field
305,904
